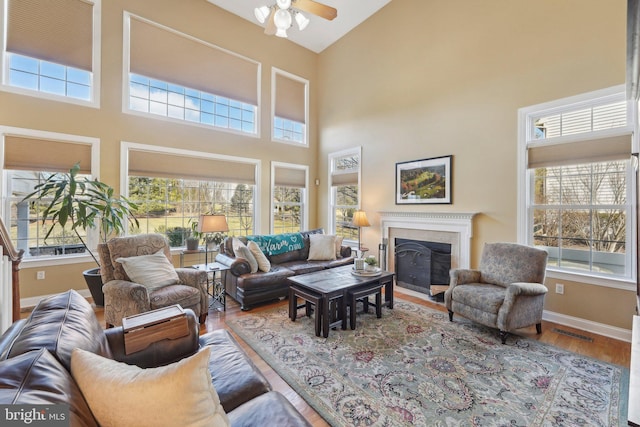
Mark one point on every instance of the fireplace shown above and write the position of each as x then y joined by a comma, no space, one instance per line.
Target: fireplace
452,230
420,264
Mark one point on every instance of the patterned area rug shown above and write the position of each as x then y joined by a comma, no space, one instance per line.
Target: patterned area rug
414,367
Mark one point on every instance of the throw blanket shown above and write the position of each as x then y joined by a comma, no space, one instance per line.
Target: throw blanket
275,244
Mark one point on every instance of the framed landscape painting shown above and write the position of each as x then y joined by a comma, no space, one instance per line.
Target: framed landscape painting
424,181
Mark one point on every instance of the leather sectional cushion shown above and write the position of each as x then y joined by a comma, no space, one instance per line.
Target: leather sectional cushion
37,378
61,323
270,406
234,376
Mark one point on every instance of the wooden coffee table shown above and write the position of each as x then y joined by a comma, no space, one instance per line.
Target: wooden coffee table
332,284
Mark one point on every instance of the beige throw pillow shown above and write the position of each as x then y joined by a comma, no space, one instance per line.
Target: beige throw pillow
180,394
322,247
242,251
261,258
153,271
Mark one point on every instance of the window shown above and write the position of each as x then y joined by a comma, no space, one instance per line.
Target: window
289,197
181,103
48,56
170,206
174,187
173,75
290,107
344,176
22,172
578,192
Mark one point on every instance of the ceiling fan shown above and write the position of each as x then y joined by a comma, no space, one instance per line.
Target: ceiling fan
280,16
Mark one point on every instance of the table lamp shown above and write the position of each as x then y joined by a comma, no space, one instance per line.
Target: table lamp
211,224
360,220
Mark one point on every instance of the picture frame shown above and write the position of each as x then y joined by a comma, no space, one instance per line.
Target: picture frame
425,181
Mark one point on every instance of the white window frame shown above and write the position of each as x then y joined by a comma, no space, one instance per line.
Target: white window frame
94,102
304,225
126,80
305,142
356,151
92,234
526,117
126,147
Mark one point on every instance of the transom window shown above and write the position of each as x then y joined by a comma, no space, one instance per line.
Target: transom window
48,77
52,49
578,181
289,130
178,102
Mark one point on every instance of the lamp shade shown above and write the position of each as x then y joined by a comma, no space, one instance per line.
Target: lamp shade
262,13
360,219
212,224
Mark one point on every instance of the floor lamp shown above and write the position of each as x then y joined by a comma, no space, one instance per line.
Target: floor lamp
360,220
211,224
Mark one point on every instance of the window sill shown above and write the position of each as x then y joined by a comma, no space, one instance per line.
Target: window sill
608,282
55,260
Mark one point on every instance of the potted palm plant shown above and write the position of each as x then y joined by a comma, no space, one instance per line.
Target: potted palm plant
83,204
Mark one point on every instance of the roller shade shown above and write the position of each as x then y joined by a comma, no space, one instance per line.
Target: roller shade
289,177
290,99
32,154
344,178
162,165
583,151
59,31
165,55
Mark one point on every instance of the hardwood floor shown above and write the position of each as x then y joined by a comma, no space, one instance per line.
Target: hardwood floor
575,340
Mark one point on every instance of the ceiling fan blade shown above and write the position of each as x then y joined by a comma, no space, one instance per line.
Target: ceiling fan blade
322,10
270,29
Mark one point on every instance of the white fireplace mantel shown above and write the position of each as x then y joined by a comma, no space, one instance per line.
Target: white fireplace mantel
459,224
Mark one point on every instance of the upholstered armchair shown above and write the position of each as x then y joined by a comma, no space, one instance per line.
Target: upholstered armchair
506,292
158,284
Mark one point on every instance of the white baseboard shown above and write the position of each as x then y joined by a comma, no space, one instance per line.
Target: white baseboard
588,325
27,303
561,319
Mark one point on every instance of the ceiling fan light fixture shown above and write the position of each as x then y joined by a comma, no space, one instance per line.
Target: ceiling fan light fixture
281,33
283,4
262,13
302,21
282,19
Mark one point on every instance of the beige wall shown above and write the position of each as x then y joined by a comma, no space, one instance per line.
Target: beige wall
424,79
419,79
199,19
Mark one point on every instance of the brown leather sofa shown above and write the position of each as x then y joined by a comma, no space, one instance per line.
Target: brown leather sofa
250,289
35,357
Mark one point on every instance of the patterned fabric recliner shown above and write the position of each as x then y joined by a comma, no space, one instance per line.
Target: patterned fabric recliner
123,298
506,292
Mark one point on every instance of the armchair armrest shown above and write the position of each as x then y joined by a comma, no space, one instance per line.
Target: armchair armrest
134,293
159,353
525,289
237,266
461,276
192,277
